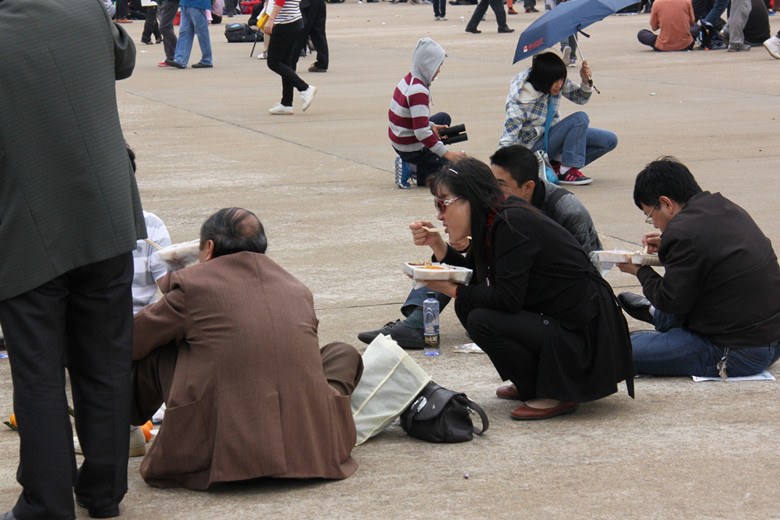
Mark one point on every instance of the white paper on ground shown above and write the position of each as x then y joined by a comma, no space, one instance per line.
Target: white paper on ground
763,376
468,348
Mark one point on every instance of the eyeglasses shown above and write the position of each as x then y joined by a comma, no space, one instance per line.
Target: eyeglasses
441,205
649,216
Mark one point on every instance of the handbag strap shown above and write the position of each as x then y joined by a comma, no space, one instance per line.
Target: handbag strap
548,123
472,406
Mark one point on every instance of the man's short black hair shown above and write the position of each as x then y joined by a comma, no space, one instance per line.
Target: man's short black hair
519,161
233,230
546,69
665,176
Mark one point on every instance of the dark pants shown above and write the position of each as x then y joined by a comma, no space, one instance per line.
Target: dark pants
425,160
439,7
122,9
280,58
82,319
513,342
167,12
648,38
152,376
481,9
230,7
314,18
151,26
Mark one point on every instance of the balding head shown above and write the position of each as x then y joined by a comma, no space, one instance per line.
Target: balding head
232,230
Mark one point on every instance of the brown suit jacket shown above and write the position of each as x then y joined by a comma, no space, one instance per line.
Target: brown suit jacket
249,397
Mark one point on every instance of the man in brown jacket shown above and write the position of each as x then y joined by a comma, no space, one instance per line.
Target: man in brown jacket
232,350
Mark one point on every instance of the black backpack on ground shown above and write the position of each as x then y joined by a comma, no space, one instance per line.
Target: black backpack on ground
241,32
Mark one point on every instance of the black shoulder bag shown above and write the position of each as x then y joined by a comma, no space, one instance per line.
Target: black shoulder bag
441,415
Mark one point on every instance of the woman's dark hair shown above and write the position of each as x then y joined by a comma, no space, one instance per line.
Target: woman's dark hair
665,176
546,69
472,180
233,230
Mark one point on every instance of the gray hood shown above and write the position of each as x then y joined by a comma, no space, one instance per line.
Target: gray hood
428,57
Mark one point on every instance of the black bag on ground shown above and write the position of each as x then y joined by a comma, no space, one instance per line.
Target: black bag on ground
441,415
241,32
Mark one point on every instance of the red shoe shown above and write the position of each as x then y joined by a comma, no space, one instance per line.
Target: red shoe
163,64
122,20
511,11
526,413
508,392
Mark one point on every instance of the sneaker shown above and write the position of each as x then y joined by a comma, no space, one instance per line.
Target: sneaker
772,46
511,11
574,177
404,335
262,56
565,53
201,65
163,64
307,96
724,36
137,447
402,173
532,10
280,110
738,47
442,18
122,20
573,62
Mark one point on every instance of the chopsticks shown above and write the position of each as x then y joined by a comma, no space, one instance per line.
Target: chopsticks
153,244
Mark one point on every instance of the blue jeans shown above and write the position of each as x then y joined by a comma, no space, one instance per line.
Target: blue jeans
717,9
416,298
576,143
671,350
193,23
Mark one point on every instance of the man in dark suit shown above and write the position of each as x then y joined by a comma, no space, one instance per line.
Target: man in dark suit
70,215
715,309
232,350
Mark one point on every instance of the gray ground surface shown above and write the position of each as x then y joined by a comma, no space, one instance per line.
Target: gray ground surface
321,183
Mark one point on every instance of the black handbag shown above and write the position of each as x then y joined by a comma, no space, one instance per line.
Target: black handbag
441,415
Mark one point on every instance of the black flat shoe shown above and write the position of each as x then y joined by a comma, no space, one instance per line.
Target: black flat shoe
636,306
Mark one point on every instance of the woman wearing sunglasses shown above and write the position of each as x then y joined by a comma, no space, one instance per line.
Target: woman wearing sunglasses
536,305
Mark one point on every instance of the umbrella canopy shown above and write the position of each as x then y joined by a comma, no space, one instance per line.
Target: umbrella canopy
561,22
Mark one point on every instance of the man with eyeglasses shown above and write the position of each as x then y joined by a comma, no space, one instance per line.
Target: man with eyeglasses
716,309
516,170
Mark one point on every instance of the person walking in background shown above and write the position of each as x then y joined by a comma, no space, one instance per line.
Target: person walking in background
69,221
193,23
314,15
122,11
285,23
479,12
151,26
440,9
167,13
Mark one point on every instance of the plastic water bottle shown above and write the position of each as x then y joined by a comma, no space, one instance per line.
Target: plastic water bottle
431,325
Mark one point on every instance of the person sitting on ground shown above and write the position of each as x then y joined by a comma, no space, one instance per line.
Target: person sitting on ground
516,169
413,132
677,23
536,304
233,326
532,106
717,300
748,25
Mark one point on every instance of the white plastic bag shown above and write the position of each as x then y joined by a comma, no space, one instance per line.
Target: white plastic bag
390,382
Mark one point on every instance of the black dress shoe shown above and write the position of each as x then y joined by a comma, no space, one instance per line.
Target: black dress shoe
404,335
636,306
505,29
473,30
201,65
175,64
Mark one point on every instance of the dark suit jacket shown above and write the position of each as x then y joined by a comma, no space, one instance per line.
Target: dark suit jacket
249,397
68,196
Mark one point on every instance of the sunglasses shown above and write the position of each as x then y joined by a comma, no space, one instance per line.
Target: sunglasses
441,205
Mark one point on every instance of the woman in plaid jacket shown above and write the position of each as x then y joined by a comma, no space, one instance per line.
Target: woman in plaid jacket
534,96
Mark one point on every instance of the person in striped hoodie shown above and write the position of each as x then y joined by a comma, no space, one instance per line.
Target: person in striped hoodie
413,132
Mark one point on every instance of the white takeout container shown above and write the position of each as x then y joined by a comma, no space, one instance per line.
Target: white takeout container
437,271
627,257
179,256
